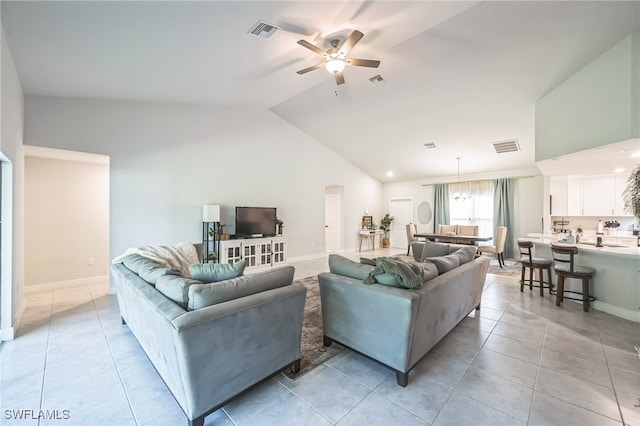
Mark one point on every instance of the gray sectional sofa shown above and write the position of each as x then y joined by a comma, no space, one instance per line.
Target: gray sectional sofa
392,325
211,342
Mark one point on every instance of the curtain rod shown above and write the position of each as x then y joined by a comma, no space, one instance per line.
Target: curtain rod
480,180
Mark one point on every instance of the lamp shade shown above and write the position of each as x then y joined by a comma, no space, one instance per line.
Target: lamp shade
211,213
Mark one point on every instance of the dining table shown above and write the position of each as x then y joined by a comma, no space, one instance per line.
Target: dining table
454,238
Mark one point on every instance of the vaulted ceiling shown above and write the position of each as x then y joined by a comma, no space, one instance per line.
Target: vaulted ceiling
458,74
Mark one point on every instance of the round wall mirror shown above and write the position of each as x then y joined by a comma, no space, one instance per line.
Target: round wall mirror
424,213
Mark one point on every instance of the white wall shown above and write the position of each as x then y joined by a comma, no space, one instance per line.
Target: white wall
596,106
167,160
528,199
414,190
12,243
66,220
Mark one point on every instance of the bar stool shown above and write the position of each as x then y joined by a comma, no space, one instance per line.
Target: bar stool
539,263
565,267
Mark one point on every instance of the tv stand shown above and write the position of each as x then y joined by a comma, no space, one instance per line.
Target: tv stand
264,252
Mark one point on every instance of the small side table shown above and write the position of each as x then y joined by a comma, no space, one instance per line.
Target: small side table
370,236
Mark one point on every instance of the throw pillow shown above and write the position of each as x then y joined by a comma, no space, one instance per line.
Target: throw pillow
416,250
342,266
430,271
465,254
203,295
215,272
147,269
176,288
445,263
431,249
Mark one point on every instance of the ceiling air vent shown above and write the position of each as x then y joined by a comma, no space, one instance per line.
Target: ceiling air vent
377,80
263,29
430,145
506,146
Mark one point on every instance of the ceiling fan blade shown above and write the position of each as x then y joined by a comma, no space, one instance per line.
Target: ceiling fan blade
351,41
315,67
311,47
363,62
339,78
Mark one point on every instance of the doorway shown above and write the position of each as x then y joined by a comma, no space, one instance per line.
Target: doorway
402,211
333,218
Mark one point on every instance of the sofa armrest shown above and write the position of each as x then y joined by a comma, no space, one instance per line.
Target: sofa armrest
373,319
225,348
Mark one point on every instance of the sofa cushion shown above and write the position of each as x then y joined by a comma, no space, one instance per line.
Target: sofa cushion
147,269
465,254
202,295
214,272
445,263
342,266
431,249
176,288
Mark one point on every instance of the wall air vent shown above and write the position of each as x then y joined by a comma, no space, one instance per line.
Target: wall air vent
430,145
506,146
263,29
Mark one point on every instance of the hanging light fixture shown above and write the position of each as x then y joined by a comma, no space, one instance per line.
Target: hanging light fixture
456,195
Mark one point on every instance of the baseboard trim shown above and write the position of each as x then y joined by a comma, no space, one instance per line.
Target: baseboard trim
615,310
58,285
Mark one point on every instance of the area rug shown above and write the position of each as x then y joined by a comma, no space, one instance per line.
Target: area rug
312,348
511,268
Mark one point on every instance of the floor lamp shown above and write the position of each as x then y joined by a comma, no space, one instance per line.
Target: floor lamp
210,215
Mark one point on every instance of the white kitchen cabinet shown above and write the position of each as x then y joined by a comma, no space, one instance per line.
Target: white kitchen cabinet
618,202
558,192
574,196
599,196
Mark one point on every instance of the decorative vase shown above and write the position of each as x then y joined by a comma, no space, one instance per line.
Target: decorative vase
385,242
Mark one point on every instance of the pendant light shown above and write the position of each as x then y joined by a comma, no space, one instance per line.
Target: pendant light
456,195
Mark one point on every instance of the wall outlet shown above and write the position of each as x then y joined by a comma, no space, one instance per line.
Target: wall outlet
91,261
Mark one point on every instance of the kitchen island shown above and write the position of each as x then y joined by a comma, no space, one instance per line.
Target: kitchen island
616,282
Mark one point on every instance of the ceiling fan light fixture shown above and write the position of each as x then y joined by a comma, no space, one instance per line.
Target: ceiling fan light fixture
335,65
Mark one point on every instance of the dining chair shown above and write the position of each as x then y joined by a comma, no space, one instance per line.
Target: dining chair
444,229
412,229
468,230
498,249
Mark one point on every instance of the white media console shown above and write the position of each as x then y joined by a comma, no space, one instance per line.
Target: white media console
265,252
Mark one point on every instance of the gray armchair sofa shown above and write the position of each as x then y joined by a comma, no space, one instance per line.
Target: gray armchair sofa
398,326
209,355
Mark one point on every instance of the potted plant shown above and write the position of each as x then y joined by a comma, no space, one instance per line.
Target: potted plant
223,236
631,194
611,226
212,233
385,225
279,225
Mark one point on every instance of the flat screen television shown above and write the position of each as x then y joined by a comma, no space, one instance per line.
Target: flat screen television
255,221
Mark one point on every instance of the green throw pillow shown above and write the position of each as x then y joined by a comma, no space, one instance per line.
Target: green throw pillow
431,249
215,272
349,268
445,263
203,295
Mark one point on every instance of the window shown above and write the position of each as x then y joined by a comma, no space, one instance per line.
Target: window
476,209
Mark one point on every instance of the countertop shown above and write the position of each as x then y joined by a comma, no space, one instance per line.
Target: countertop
588,245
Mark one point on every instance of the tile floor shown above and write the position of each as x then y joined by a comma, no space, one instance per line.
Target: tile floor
520,360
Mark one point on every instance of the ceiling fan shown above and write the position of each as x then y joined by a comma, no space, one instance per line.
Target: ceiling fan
335,59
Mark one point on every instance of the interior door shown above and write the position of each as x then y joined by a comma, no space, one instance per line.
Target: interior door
332,214
402,211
